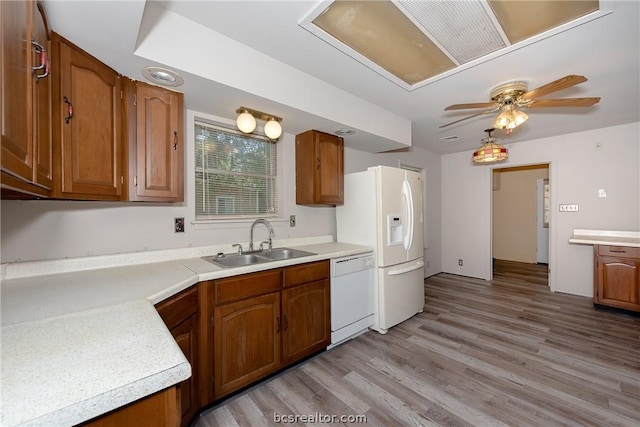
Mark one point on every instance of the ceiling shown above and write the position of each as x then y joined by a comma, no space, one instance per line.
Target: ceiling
256,54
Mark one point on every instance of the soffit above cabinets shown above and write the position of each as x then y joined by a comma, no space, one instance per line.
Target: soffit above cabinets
413,43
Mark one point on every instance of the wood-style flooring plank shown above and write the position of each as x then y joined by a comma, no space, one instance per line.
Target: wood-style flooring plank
506,352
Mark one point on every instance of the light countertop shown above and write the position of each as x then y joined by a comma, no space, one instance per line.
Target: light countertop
64,370
606,237
81,337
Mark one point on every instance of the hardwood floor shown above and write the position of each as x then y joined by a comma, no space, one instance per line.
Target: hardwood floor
505,352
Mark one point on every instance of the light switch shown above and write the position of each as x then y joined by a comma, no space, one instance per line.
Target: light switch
568,208
602,193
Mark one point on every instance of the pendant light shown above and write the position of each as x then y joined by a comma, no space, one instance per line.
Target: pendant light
490,152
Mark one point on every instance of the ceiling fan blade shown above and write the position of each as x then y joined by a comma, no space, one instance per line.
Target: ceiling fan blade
472,105
564,102
469,117
556,85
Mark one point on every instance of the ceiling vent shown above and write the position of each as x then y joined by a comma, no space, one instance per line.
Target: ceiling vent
413,43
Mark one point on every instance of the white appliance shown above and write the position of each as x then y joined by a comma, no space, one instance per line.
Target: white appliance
352,298
383,209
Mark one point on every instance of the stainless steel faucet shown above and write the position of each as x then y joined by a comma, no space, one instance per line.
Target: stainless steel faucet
268,225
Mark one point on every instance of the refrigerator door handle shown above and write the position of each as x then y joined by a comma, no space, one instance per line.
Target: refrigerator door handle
416,266
406,193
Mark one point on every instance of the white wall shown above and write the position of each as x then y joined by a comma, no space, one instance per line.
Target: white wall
356,161
46,229
578,168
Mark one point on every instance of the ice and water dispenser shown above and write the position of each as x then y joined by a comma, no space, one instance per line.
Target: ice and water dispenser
394,230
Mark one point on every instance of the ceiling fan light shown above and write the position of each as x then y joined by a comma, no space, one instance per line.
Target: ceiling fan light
519,118
272,129
246,122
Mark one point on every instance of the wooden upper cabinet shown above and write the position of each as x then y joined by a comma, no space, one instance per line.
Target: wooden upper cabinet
155,143
87,126
43,146
26,99
319,169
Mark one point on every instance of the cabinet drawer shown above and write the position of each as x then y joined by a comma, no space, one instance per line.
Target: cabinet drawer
305,273
179,307
619,251
247,285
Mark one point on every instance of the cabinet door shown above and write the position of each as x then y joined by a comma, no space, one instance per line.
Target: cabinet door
16,88
319,168
329,170
186,335
180,314
619,282
159,147
247,341
89,113
306,320
43,158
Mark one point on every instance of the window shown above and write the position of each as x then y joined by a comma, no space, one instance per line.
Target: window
235,174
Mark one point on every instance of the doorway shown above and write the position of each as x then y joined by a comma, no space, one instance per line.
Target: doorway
520,218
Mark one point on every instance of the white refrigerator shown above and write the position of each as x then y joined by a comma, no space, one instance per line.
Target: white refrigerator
383,209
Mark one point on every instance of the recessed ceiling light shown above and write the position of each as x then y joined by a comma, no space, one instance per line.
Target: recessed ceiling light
345,132
162,76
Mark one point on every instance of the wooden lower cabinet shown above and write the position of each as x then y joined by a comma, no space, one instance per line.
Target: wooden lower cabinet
247,341
158,410
265,321
617,277
180,314
237,330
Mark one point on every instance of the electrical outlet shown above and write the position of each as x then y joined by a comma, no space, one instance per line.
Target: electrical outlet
460,262
178,225
427,265
292,220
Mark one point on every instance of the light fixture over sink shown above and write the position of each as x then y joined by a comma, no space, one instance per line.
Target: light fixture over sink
246,122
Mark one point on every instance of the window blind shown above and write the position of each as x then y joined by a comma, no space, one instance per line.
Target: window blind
235,174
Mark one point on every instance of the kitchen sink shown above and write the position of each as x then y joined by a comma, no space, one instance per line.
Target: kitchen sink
235,260
276,254
284,253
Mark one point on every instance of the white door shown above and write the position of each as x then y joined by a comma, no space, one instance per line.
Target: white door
415,241
542,232
392,218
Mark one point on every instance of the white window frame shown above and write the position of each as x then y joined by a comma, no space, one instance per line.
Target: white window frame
234,221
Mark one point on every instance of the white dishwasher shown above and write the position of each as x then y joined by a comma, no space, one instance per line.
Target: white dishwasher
352,296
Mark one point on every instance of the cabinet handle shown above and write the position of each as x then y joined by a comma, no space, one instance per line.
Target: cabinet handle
617,251
286,323
69,109
175,140
44,60
318,163
278,323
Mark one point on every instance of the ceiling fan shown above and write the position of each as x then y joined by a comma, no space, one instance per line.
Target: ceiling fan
510,96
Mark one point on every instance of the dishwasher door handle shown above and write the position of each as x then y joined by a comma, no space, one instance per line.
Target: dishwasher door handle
418,265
